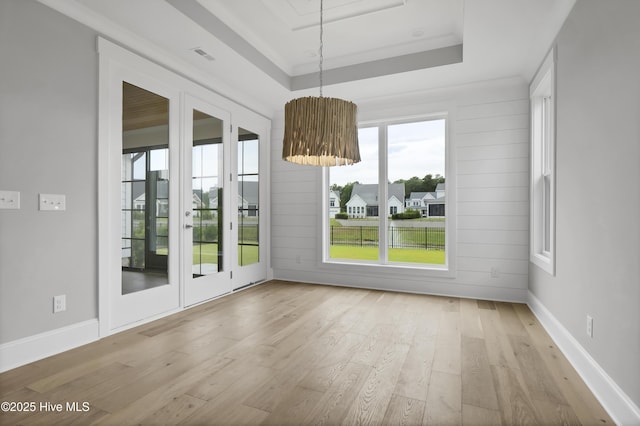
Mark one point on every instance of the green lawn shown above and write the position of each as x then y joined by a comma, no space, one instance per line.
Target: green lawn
246,254
432,257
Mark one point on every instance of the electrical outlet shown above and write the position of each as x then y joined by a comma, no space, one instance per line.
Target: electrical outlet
59,303
10,200
52,202
589,326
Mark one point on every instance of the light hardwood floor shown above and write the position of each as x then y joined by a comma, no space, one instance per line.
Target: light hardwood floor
291,354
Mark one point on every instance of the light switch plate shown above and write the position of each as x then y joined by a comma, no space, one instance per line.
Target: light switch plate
53,202
9,200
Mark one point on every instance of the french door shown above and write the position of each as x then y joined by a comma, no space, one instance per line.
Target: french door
249,261
144,188
224,249
206,209
181,194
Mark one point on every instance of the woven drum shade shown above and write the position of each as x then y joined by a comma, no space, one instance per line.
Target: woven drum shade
320,131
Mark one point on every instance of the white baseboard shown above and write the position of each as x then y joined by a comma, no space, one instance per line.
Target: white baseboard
33,348
614,400
436,288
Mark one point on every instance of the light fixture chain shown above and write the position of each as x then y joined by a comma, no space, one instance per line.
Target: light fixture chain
321,43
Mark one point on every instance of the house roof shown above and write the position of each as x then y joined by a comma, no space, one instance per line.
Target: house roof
138,189
247,190
423,195
369,192
417,195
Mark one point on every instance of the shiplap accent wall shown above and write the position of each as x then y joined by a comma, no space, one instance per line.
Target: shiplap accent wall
490,136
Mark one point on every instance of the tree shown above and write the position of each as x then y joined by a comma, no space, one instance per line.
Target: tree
430,182
345,195
426,184
414,184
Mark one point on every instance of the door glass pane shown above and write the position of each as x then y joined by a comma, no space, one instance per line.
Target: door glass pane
416,163
248,198
145,189
353,203
547,212
207,194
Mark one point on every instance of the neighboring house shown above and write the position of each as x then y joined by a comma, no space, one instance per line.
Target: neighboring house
140,202
248,198
430,204
162,200
334,203
162,205
364,200
197,203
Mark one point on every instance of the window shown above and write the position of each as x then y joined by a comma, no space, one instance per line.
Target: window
207,187
436,210
542,91
145,209
402,162
248,197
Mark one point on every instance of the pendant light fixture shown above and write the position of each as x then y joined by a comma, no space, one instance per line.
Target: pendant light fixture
320,131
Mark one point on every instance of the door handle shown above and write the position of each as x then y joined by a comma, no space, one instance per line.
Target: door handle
187,226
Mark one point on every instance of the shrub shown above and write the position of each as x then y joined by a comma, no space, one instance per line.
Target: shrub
342,215
210,233
408,214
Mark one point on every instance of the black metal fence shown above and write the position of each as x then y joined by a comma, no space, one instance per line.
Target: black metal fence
429,238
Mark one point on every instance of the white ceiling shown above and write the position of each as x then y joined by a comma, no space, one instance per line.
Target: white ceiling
262,48
287,31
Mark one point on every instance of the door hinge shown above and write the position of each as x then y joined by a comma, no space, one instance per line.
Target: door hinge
231,177
230,128
231,274
230,226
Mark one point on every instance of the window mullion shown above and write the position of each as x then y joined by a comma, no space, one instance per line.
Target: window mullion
383,195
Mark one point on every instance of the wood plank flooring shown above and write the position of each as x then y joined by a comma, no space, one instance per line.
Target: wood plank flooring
293,354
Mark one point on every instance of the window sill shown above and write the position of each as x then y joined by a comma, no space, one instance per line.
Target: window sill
396,269
546,263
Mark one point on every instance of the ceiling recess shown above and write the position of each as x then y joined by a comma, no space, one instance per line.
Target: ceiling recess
302,14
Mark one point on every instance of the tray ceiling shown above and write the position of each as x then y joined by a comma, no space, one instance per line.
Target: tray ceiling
265,52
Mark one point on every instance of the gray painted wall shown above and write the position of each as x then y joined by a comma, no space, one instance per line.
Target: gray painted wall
48,144
598,200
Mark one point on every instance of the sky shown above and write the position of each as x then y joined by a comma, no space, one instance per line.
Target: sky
414,149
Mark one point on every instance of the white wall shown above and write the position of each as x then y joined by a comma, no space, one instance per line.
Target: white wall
48,144
398,204
598,181
490,123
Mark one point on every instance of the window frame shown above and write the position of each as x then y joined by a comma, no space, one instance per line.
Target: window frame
542,94
448,269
